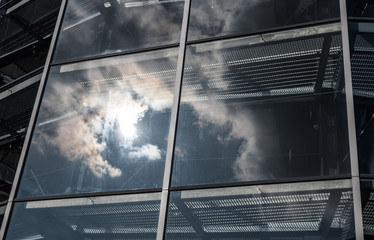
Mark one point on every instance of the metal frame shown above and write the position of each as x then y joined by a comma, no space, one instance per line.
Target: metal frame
265,31
173,123
21,162
90,58
94,194
357,208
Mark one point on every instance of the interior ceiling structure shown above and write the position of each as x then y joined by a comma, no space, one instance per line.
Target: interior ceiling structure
26,29
279,215
362,64
313,65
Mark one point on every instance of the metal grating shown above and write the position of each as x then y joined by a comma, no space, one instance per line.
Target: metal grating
362,62
38,10
280,216
124,220
264,70
368,215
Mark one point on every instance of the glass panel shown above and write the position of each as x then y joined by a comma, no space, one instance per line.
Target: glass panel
362,64
360,8
225,17
102,126
26,28
3,206
101,27
94,218
367,197
263,107
16,104
313,210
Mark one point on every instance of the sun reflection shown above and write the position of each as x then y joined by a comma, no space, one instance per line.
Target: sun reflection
126,114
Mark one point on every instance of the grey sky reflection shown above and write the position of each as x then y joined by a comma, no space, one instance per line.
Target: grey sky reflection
215,114
92,29
247,164
223,17
100,108
248,109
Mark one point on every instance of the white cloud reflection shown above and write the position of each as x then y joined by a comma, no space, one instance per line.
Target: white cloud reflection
103,110
237,119
149,151
211,18
130,28
247,164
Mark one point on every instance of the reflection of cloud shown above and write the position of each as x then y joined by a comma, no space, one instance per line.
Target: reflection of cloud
148,151
102,110
226,16
236,118
130,28
239,122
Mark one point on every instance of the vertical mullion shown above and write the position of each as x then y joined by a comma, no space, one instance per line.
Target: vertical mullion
31,125
173,123
351,123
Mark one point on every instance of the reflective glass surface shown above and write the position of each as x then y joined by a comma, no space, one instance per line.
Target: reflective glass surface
96,27
94,218
225,17
362,64
262,108
313,210
367,198
26,28
360,8
3,206
102,126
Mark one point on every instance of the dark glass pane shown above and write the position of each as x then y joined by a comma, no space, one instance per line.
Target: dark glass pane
225,17
360,8
16,104
2,211
362,64
367,198
102,126
26,28
93,27
313,210
262,108
94,218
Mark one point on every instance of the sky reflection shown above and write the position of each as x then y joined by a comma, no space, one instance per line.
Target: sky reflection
110,115
250,110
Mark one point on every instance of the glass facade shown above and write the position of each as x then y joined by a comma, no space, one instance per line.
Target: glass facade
367,196
292,211
97,27
192,119
220,17
361,36
360,9
129,216
106,123
262,108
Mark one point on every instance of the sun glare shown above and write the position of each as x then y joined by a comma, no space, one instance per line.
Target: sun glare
127,116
